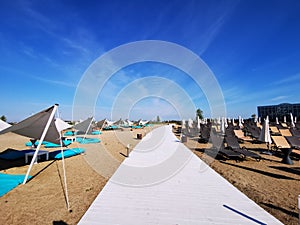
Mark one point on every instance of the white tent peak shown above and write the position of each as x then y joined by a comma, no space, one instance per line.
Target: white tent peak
3,125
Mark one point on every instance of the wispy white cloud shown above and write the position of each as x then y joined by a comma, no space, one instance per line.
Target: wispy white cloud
288,79
55,82
215,27
279,98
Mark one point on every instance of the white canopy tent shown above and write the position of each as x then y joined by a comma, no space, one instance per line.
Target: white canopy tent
143,122
129,123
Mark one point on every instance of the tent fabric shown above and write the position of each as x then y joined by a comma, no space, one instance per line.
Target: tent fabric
61,125
101,123
9,182
3,125
84,126
34,126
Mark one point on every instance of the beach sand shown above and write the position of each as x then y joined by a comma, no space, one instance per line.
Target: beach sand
271,184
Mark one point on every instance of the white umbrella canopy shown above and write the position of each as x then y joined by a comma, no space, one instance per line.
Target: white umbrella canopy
3,125
265,132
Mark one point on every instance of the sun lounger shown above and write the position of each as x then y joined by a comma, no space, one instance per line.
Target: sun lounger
294,141
230,154
295,132
253,130
204,134
285,132
225,153
232,143
274,130
240,135
281,143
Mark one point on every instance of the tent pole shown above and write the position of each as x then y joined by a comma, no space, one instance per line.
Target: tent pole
40,142
64,171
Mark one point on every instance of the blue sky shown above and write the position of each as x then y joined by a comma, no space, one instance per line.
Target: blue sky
252,48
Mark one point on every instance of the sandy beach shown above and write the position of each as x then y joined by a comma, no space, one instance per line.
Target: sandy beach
271,184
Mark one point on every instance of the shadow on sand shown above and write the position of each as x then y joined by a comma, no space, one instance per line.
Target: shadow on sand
274,175
288,212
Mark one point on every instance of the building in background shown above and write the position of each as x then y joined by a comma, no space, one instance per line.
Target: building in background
279,111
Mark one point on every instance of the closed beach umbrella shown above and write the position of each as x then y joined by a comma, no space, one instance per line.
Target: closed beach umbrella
295,119
277,120
292,120
284,119
265,132
223,125
226,124
240,122
183,125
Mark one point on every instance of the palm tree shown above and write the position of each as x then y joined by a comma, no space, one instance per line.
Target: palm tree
3,118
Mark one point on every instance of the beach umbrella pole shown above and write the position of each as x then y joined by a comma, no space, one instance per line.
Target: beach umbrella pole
40,142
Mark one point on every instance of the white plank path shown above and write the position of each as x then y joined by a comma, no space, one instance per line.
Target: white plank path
163,182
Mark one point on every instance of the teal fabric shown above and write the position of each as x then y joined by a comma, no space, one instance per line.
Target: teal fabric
96,132
70,133
49,144
66,153
29,144
82,140
52,145
9,182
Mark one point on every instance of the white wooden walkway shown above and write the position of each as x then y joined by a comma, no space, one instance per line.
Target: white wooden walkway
163,182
